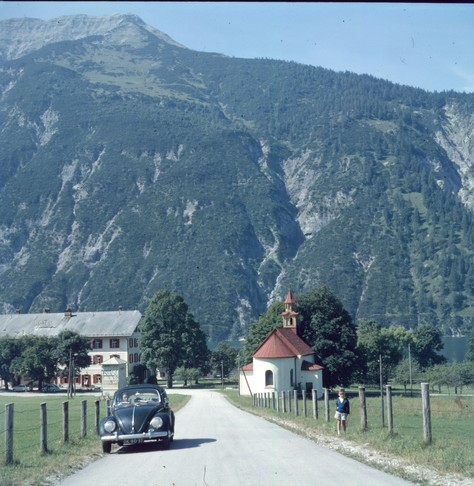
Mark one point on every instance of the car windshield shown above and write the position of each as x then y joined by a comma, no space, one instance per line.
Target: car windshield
138,396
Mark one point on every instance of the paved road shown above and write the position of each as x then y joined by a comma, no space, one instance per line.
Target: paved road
218,445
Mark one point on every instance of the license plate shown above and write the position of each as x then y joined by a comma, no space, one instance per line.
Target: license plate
132,441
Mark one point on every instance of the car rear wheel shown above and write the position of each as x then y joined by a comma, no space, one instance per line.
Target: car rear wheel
106,447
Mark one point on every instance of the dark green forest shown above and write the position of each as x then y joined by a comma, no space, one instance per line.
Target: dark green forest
131,168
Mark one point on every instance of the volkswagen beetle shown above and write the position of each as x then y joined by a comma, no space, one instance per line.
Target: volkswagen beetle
138,413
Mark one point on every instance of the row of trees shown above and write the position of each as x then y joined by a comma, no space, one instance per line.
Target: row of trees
171,340
41,358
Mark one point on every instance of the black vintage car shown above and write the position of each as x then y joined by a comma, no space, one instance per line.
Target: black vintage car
139,413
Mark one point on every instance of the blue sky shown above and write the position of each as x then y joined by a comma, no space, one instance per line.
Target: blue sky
430,46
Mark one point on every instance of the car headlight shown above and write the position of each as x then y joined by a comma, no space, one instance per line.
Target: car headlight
109,426
156,422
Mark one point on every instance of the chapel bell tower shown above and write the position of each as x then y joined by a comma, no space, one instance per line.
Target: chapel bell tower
290,317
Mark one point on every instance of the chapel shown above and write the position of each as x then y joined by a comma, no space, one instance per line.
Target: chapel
283,361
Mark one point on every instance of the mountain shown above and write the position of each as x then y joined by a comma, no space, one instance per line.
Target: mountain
130,163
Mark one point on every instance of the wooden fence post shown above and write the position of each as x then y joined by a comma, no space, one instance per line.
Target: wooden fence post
363,408
278,401
289,401
425,396
304,403
315,403
97,415
326,403
389,409
65,422
283,401
83,418
9,433
43,428
295,398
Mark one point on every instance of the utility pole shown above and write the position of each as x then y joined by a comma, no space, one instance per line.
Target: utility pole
409,365
69,376
381,391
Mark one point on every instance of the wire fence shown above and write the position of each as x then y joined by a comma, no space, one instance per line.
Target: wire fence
30,428
416,413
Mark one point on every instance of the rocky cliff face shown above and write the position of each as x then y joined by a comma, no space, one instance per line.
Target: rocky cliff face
130,164
21,36
456,137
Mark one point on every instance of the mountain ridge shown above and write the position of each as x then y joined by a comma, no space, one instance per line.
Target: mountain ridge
138,165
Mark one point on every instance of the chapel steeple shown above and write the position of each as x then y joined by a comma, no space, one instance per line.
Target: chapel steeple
289,315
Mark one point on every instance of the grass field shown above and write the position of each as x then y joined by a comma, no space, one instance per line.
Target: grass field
450,452
30,466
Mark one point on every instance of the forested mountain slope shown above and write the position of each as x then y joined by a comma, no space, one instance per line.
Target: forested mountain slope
129,163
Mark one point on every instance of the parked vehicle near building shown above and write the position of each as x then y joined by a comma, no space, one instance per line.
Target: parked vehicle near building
51,388
21,388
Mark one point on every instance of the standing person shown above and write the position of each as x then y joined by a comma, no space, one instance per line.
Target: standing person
343,409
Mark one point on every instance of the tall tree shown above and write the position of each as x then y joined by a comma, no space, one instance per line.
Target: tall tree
72,352
260,328
169,334
9,349
427,345
375,342
38,361
224,358
329,329
470,346
195,351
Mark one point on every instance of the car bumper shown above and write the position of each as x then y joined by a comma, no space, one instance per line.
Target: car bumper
145,436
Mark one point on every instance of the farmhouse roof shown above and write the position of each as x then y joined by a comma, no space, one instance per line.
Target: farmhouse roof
87,324
282,343
114,361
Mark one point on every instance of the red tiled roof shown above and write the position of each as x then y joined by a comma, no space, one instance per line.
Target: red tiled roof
247,367
282,343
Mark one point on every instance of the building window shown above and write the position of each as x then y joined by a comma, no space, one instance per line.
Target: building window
130,358
137,358
97,379
136,342
292,380
114,356
268,378
97,359
97,344
114,343
130,343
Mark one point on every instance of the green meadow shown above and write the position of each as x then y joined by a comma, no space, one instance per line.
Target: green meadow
452,423
31,466
452,427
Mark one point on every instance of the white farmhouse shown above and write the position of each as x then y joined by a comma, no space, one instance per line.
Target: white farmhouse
283,361
113,336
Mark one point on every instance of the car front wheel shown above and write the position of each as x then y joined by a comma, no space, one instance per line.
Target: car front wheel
106,447
165,443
